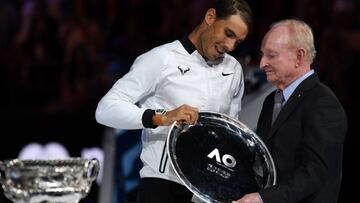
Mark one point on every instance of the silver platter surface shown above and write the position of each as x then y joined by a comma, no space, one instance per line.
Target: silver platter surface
219,159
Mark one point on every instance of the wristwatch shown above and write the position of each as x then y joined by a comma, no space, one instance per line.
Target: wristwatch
158,116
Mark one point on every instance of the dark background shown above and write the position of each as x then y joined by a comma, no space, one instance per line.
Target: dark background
59,57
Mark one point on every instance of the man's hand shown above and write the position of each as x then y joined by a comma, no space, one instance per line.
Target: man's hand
249,198
183,113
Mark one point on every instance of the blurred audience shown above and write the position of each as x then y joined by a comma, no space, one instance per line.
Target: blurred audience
61,55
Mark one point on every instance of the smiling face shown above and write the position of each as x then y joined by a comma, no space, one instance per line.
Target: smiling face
279,60
221,36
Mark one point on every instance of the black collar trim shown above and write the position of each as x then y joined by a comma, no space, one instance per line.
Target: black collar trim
188,45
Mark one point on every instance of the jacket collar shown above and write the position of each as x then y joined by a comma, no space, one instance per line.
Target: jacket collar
188,45
190,48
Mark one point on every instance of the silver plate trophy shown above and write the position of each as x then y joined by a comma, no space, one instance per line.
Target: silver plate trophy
40,181
219,159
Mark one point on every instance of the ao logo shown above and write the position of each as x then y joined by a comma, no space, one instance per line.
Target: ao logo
226,159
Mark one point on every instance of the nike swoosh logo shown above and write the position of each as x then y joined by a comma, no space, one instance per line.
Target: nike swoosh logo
226,74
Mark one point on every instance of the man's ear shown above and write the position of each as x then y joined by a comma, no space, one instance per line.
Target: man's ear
210,16
300,57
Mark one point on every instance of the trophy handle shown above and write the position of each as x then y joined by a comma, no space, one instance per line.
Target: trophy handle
92,169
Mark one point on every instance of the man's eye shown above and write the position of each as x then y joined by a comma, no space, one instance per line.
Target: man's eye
228,34
271,55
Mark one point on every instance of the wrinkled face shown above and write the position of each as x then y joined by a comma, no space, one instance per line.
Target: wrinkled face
278,58
222,36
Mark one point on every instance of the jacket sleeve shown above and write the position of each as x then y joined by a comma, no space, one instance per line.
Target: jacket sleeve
235,107
118,107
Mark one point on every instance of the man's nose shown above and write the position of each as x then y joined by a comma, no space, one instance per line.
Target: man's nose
230,45
263,63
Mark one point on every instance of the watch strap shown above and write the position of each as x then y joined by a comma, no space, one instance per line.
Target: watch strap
158,119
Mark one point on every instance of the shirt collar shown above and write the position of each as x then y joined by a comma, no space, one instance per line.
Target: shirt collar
188,45
291,88
190,48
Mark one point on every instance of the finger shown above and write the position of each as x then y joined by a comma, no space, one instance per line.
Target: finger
195,117
190,111
193,111
192,116
184,118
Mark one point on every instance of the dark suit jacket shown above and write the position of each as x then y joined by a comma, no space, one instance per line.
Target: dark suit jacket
306,143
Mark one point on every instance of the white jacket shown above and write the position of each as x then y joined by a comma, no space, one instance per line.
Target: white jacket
165,78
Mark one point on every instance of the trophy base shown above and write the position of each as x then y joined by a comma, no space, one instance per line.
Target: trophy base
70,198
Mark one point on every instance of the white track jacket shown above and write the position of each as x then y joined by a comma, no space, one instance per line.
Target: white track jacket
164,78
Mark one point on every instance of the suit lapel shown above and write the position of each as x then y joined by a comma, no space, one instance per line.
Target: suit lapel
294,100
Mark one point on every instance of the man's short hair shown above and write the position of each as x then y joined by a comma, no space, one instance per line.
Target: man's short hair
301,35
226,8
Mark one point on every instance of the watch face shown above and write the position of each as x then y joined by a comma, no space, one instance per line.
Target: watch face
160,111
